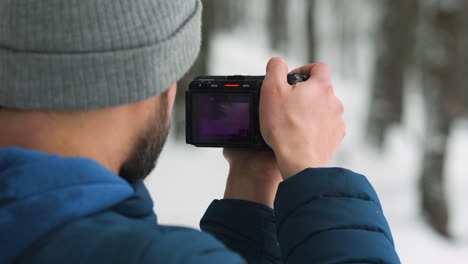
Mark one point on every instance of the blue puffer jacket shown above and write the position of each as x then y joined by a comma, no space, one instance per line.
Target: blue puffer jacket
72,210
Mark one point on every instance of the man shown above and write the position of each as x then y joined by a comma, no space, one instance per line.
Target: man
86,90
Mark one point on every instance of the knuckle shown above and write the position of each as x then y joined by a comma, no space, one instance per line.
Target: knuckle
322,66
322,69
329,87
326,87
343,128
275,62
341,107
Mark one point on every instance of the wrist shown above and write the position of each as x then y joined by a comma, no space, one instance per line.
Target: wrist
291,163
253,184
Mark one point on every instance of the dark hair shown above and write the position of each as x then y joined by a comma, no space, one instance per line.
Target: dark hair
149,145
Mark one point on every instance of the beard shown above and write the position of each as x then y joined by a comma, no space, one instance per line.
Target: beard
148,146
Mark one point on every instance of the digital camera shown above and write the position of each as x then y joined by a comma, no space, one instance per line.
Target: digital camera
223,111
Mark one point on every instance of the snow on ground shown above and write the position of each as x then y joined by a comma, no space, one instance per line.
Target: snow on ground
187,179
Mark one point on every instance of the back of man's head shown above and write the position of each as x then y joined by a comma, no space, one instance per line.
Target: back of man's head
87,54
93,78
86,88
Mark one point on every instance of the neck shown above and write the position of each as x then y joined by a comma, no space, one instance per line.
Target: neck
40,132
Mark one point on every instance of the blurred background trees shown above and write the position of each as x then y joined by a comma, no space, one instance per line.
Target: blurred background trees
278,22
441,32
410,39
395,45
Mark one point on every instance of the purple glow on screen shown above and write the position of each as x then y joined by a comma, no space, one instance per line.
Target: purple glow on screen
224,117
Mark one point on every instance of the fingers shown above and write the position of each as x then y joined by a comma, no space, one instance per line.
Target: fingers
341,108
277,68
276,74
317,71
320,72
343,128
242,156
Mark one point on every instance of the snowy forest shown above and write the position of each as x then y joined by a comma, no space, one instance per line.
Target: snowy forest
399,67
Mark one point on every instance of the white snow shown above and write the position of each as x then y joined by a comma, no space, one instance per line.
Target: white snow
187,179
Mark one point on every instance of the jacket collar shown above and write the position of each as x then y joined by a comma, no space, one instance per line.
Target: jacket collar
40,193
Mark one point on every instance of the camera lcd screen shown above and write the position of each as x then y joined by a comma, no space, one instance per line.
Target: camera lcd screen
222,118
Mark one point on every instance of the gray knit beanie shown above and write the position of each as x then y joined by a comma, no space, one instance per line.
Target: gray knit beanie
91,54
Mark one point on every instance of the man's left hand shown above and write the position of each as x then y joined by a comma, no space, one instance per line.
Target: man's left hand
253,175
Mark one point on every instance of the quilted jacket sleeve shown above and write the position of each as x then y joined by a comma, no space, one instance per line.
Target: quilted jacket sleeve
332,216
245,227
321,216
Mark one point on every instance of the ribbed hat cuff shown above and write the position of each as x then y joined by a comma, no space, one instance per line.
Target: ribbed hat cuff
85,81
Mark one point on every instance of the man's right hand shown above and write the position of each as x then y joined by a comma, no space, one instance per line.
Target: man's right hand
302,123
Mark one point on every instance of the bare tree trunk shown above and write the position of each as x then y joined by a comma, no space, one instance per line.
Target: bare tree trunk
278,24
394,54
349,33
463,80
229,14
200,67
441,49
310,27
432,182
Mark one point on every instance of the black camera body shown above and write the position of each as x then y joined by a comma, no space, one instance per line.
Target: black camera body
223,111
